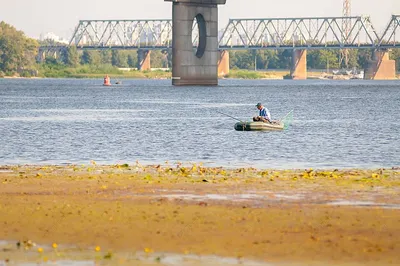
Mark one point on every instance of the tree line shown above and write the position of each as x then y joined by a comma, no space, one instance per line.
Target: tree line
119,58
18,54
316,59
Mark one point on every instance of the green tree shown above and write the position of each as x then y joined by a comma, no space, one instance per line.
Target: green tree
132,60
353,58
105,57
90,58
242,60
157,59
364,55
395,55
273,59
263,57
322,59
17,52
119,58
70,56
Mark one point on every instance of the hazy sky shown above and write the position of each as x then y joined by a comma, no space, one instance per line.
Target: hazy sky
41,16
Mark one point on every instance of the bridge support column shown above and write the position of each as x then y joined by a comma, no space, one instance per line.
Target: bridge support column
41,56
144,60
223,63
299,65
199,67
380,67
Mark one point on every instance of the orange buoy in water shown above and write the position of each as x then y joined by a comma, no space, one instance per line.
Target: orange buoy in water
107,81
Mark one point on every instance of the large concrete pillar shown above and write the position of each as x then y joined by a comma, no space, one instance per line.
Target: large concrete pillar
41,56
223,63
380,67
198,67
298,68
144,60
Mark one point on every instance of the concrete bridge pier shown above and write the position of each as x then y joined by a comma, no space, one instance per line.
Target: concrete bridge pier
223,63
198,67
298,68
48,53
380,67
41,56
144,60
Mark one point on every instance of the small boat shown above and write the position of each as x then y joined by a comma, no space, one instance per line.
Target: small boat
259,126
280,124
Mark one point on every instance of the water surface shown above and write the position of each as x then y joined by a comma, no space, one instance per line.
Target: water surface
337,124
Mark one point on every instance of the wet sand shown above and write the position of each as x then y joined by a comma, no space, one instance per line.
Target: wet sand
308,217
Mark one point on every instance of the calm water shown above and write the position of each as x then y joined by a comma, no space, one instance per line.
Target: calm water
336,123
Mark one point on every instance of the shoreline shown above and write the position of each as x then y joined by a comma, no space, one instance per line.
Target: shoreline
339,217
220,78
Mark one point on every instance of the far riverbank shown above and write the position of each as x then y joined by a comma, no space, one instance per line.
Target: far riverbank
161,74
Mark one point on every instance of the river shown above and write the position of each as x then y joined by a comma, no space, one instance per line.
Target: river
336,124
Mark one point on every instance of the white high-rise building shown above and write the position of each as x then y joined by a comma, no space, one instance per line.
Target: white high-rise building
52,36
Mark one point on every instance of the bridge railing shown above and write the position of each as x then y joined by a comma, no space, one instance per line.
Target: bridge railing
308,33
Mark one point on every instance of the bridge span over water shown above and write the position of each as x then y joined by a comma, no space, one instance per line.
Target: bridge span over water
297,34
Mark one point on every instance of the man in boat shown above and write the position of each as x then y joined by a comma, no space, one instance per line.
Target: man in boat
264,115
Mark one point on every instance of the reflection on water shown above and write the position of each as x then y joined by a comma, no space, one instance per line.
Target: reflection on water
337,124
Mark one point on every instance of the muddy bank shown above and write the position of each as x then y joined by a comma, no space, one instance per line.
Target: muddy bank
304,216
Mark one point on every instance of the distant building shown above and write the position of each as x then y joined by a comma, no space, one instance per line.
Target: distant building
53,37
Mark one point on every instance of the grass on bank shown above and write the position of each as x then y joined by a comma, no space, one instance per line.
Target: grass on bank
57,70
96,72
251,74
90,71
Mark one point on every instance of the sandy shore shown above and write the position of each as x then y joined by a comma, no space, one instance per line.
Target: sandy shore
309,217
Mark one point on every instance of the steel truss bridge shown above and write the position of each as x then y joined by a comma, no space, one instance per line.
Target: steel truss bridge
268,33
307,33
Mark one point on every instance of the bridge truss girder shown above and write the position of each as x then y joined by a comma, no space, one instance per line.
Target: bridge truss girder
388,39
299,33
123,34
240,34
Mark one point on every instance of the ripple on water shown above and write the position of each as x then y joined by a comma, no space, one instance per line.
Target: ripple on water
58,120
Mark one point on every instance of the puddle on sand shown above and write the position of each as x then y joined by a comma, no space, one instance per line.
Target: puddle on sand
154,259
364,204
194,260
6,171
237,197
78,257
258,198
232,197
52,263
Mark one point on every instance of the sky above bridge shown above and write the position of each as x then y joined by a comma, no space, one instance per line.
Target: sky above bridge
36,17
